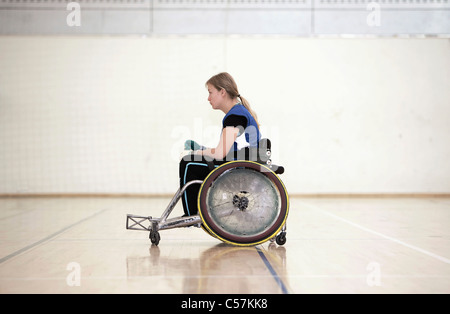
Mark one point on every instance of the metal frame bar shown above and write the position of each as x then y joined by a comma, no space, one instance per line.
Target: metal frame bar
176,198
135,222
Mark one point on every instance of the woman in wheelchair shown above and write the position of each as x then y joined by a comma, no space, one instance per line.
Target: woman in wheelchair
232,190
240,132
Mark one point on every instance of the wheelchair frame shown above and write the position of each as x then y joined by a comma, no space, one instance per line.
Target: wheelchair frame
154,225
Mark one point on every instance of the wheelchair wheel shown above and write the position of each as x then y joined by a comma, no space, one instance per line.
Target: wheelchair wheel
243,203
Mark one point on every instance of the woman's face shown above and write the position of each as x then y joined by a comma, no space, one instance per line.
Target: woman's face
215,97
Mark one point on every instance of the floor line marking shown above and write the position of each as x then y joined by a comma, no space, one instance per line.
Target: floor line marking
438,257
272,271
32,245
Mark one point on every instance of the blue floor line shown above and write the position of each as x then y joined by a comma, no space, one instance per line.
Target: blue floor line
272,271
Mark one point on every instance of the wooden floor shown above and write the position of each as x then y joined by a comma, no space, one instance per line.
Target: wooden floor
80,245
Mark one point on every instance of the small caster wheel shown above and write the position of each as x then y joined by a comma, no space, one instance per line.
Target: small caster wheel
155,237
281,238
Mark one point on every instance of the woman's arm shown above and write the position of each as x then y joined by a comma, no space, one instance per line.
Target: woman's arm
229,135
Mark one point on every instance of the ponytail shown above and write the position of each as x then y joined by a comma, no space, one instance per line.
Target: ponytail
249,108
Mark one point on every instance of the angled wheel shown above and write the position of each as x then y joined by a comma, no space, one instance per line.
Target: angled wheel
154,237
281,238
243,203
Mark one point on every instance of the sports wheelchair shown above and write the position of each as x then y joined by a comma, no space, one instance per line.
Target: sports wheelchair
241,202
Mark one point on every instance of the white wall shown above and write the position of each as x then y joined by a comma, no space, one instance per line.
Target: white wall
109,114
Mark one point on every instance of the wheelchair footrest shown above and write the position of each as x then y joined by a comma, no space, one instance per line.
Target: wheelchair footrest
148,223
143,223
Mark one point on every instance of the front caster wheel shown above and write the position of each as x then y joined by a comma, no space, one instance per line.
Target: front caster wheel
155,237
281,238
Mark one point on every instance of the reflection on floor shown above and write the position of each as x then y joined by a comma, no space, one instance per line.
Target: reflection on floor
80,245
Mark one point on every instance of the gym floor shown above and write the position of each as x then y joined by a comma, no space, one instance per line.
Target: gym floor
340,245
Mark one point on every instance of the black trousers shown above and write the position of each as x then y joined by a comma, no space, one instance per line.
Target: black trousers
194,167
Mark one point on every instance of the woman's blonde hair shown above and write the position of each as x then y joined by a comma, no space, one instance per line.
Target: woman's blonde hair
225,80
